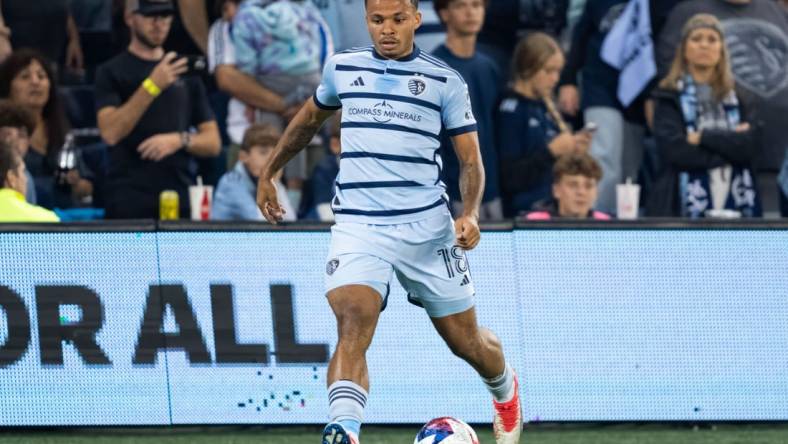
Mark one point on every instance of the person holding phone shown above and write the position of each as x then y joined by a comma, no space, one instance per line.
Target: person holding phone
155,118
532,133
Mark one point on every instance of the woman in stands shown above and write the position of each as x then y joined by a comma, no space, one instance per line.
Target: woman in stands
532,134
27,78
705,135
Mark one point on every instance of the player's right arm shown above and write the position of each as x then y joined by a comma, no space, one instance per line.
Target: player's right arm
298,134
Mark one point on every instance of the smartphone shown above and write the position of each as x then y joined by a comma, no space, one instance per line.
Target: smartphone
196,65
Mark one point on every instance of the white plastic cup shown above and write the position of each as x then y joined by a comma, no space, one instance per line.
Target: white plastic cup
627,200
197,194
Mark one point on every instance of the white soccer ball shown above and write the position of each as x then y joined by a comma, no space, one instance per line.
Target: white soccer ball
446,431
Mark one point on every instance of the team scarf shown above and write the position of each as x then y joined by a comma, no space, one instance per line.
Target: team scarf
695,185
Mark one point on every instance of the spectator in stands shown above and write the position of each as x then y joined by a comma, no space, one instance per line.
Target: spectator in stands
508,21
617,144
575,180
46,26
757,38
703,131
16,125
13,207
431,33
347,21
282,44
147,109
463,20
532,134
247,93
27,78
325,174
189,32
235,197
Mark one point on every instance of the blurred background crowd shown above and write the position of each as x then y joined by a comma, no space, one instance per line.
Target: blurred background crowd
106,104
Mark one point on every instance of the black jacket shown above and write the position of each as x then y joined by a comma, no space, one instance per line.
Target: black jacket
716,148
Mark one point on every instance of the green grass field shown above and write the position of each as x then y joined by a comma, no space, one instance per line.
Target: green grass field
541,434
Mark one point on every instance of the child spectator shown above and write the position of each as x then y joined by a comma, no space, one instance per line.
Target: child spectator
575,188
13,207
532,134
235,197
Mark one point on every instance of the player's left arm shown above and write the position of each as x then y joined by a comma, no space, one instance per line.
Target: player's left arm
471,188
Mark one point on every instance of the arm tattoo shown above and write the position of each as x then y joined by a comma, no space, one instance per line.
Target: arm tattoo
471,187
295,139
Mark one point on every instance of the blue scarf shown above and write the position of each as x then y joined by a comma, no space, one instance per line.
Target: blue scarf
695,185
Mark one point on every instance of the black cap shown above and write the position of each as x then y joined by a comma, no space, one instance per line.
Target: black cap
151,7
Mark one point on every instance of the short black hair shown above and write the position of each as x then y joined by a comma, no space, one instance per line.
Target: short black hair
440,5
415,3
16,116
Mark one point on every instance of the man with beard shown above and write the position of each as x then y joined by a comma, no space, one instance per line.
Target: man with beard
155,119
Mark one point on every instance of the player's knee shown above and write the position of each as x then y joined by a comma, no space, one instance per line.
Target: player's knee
355,319
355,329
489,339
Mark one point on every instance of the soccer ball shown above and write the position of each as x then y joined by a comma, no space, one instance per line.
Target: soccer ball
446,431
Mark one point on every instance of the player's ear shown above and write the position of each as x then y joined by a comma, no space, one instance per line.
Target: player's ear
418,19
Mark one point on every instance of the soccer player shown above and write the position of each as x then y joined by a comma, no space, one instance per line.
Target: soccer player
391,211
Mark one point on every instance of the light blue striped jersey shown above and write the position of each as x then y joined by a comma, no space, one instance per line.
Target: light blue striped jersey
393,112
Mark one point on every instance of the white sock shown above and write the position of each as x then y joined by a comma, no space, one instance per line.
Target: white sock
502,387
346,403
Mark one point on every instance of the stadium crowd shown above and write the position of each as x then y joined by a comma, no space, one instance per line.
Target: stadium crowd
105,104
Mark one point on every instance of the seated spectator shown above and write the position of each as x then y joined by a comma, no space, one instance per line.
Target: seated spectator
324,176
13,207
46,26
463,20
704,132
575,181
532,134
617,144
147,110
283,45
236,194
27,78
16,125
757,40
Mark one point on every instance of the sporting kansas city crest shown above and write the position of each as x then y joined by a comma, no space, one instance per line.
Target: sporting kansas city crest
332,266
416,86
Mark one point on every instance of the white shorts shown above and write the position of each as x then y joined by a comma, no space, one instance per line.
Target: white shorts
429,266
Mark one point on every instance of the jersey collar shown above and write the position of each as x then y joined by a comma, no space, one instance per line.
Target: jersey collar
407,58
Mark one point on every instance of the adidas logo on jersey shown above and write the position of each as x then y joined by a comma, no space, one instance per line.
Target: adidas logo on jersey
465,281
358,82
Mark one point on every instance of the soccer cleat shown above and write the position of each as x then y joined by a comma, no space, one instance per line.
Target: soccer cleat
508,419
334,433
